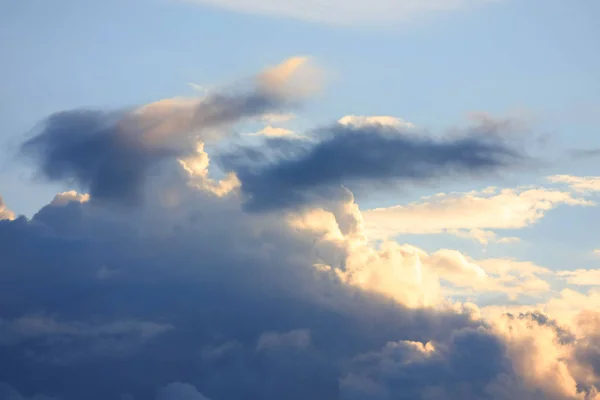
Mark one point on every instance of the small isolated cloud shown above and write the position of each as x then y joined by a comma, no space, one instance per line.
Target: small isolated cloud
490,124
581,277
471,214
340,12
360,121
578,183
5,213
274,132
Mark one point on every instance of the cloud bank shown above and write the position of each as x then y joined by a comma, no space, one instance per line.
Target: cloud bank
192,297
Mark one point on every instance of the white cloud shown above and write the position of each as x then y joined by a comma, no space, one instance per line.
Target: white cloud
408,274
66,197
197,167
471,214
578,183
581,277
361,121
5,213
277,118
340,12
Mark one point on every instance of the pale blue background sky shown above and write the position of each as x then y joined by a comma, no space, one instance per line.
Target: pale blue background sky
541,56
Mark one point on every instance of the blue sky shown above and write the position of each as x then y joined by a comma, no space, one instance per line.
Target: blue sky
505,74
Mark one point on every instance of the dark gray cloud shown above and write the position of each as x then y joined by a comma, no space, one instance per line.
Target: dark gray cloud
453,369
111,154
217,299
286,173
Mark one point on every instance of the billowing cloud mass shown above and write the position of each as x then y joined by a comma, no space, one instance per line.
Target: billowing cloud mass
110,154
339,12
188,296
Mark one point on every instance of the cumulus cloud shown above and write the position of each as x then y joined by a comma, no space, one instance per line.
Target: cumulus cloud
472,214
338,12
434,370
297,303
110,154
287,173
66,197
382,120
194,285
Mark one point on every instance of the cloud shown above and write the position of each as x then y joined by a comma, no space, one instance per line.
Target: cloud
297,303
195,276
360,121
180,391
7,392
585,153
277,118
578,183
472,214
581,277
5,213
69,196
338,12
197,166
287,173
299,338
271,131
209,284
110,154
446,370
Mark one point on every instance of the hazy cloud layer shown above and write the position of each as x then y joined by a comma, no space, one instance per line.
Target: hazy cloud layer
339,12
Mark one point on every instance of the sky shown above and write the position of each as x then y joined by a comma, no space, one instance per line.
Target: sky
324,199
